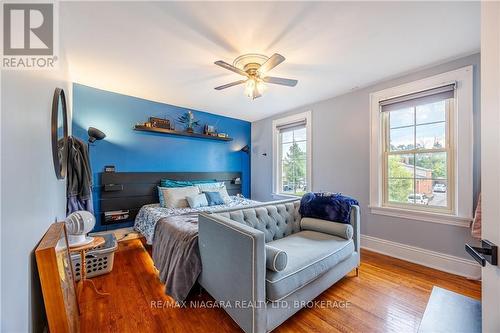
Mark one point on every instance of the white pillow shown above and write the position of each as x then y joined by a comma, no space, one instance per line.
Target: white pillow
175,197
210,187
216,187
198,200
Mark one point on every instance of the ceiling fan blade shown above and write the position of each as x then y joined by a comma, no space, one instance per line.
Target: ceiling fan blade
225,65
272,62
281,81
230,84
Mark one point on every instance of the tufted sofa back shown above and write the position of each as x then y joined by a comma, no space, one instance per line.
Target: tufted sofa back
275,220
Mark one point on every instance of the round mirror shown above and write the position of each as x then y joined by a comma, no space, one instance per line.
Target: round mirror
59,132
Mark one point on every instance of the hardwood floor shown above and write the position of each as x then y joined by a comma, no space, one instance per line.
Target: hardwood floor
390,295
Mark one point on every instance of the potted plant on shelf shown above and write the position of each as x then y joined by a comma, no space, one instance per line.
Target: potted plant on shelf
188,120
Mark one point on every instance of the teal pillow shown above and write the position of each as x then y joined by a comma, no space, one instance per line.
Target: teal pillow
184,183
198,200
175,183
204,181
214,198
160,196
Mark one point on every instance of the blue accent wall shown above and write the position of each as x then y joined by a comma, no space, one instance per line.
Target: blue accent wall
135,151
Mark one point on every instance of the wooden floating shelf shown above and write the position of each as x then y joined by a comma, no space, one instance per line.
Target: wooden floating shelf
179,133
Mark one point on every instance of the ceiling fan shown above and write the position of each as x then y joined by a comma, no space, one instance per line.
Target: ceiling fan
254,67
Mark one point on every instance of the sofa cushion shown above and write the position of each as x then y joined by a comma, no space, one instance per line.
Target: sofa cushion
276,259
343,230
310,254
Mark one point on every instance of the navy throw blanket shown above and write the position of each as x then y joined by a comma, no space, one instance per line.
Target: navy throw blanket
327,206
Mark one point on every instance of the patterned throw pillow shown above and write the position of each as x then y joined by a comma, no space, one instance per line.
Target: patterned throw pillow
216,187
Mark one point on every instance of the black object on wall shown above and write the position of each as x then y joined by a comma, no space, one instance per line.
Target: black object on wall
245,149
129,191
95,134
59,133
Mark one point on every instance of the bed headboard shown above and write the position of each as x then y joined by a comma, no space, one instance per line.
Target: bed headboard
131,190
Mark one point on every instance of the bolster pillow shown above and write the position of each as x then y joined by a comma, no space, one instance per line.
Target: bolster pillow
276,259
328,227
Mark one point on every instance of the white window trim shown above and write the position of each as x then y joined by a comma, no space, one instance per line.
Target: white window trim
284,121
463,148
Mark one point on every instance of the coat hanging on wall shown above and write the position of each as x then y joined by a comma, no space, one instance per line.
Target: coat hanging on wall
79,185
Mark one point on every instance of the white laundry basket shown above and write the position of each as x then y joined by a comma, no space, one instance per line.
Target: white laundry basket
99,260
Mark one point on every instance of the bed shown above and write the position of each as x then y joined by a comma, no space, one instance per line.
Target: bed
172,232
149,215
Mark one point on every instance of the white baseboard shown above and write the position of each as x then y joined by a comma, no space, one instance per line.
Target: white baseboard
428,258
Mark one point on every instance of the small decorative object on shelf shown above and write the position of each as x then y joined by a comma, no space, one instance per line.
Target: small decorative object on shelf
188,120
159,122
109,168
222,135
209,130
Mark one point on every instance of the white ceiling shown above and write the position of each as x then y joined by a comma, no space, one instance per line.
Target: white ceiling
165,51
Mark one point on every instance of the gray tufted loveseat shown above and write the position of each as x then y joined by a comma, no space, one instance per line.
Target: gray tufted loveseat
264,263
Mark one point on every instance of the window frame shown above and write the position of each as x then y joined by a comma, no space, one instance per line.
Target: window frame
460,121
450,171
277,153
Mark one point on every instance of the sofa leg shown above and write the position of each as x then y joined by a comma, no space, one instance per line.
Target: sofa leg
357,271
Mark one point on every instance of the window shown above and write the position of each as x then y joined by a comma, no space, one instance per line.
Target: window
291,154
417,150
421,149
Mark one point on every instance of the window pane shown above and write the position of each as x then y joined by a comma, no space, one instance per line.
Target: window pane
294,170
294,151
402,138
300,134
401,166
286,136
423,191
301,148
403,117
431,165
429,113
286,150
431,136
439,193
400,190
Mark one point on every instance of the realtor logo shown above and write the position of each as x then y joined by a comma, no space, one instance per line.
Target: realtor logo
28,35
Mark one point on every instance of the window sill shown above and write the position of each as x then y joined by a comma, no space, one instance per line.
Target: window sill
432,217
279,196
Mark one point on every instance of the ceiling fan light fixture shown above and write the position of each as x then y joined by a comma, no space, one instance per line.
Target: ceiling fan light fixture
249,88
254,88
254,68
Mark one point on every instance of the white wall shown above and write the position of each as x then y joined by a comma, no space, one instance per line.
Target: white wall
31,196
490,122
340,161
